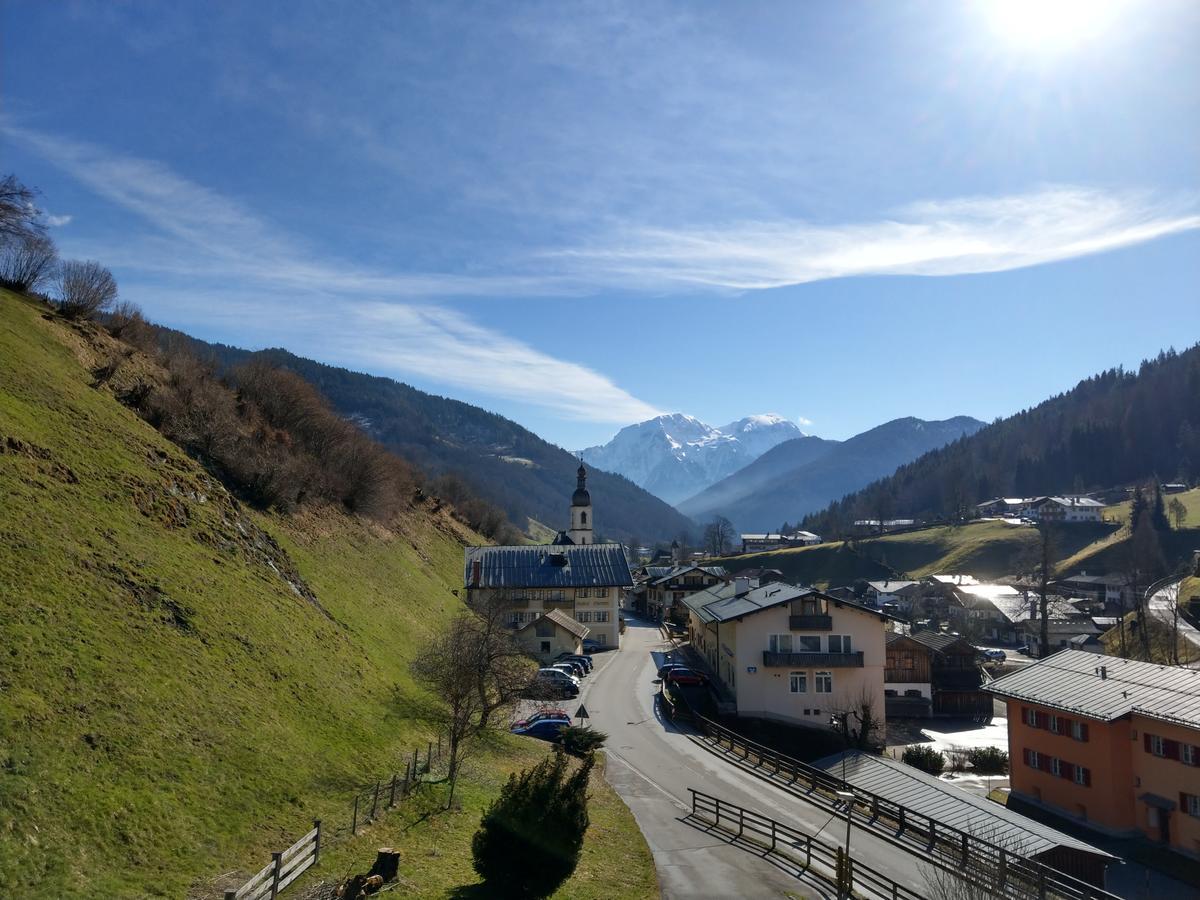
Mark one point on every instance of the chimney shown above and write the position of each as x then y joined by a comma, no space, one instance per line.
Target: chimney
1103,671
741,584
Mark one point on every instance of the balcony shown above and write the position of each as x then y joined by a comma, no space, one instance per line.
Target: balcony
810,623
814,660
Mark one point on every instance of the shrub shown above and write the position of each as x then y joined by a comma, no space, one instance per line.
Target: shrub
27,262
988,760
925,758
529,839
580,741
85,288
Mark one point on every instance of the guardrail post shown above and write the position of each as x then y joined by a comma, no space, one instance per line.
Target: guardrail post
966,849
772,835
807,851
874,806
317,842
1041,883
741,821
901,817
718,813
277,859
1002,874
354,820
932,833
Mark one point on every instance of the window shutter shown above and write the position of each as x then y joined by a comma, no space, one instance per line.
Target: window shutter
1146,741
1084,735
1068,770
1025,755
1087,777
1171,749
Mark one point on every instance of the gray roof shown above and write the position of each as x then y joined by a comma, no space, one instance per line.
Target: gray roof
677,571
950,805
546,566
939,640
1070,680
561,619
890,587
721,603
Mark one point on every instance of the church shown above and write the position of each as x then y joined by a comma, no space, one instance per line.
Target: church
574,575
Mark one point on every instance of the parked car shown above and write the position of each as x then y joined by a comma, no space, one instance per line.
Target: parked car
667,667
1024,650
549,713
571,668
555,683
544,729
582,659
684,675
995,655
590,646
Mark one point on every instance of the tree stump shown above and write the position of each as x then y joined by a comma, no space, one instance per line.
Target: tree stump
387,864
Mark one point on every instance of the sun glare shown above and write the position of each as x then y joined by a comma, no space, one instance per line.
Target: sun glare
1050,24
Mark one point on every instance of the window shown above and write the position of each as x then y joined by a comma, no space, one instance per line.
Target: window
779,643
798,681
1083,776
602,615
583,617
545,646
839,643
1079,731
1031,717
582,593
1190,804
1189,754
810,644
1055,766
824,682
544,629
1035,761
1056,725
1157,745
583,518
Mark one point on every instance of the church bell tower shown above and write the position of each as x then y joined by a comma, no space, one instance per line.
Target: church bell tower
581,510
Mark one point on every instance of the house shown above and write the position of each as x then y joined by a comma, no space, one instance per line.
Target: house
955,676
1112,743
1108,591
1078,632
550,634
953,808
762,543
907,682
902,593
875,526
666,590
1005,507
585,582
789,653
1002,613
1174,487
1066,509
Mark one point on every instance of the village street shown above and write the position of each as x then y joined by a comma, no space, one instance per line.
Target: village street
652,763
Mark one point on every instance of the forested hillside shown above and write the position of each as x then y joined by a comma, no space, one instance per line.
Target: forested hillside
497,459
1115,428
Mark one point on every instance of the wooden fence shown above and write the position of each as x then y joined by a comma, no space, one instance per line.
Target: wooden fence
797,847
1010,874
283,869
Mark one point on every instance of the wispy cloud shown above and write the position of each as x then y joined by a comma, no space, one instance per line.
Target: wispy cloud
948,237
57,221
206,237
801,420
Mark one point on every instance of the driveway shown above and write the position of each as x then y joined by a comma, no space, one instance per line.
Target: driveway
652,763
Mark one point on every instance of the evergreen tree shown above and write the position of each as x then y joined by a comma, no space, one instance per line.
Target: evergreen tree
1158,518
529,839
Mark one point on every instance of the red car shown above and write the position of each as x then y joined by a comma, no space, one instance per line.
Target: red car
685,676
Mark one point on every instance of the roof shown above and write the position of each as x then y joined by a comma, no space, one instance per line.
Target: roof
763,537
889,587
546,566
950,805
672,572
952,579
721,603
1071,680
1013,604
1072,501
938,640
562,620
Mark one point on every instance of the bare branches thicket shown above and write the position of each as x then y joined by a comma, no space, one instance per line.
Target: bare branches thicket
19,213
27,262
85,288
857,720
718,535
473,672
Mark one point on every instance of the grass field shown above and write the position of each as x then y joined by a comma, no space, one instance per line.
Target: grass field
186,683
1190,499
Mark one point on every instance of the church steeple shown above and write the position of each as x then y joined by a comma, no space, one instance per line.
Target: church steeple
581,509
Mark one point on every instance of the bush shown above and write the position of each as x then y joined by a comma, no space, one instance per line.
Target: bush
925,758
27,262
580,741
988,760
84,289
529,840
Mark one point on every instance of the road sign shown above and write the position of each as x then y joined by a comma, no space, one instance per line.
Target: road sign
582,712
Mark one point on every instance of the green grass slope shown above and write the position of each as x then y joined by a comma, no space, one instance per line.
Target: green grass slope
182,681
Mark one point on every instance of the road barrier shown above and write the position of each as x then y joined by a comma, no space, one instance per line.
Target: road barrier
1009,874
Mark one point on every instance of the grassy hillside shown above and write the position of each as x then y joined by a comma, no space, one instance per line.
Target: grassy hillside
989,549
185,681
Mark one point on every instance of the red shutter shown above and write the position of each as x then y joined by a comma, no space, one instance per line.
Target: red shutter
1146,741
1068,770
1087,777
1084,735
1171,749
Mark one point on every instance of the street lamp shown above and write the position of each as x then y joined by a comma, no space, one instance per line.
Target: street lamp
838,721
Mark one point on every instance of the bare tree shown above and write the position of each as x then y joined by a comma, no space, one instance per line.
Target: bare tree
27,262
85,288
472,673
1178,511
857,720
19,214
718,535
1044,574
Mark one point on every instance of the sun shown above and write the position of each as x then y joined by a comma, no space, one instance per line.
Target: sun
1050,24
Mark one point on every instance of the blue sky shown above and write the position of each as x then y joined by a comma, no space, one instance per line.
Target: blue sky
578,215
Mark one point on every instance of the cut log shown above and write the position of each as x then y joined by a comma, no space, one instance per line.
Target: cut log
387,864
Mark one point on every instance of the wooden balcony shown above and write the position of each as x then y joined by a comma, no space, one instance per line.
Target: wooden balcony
814,660
810,623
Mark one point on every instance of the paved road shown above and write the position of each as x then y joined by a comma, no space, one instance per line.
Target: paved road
1161,605
652,763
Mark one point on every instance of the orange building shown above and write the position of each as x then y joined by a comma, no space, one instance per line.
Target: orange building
1111,742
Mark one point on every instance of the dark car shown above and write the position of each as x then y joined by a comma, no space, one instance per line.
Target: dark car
667,667
542,714
684,675
545,729
590,646
554,683
569,665
583,660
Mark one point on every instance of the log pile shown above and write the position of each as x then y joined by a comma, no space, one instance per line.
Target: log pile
385,869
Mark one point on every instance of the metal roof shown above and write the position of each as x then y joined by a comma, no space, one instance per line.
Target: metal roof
673,572
1071,680
721,603
546,566
949,805
938,640
888,587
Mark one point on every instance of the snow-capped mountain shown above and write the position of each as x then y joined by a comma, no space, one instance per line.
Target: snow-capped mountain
675,456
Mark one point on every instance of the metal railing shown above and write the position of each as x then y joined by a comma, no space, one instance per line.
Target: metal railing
809,660
1009,874
797,847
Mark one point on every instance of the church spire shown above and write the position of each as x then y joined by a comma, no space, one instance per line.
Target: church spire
581,509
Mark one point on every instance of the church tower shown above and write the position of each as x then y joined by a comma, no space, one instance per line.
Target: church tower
581,510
